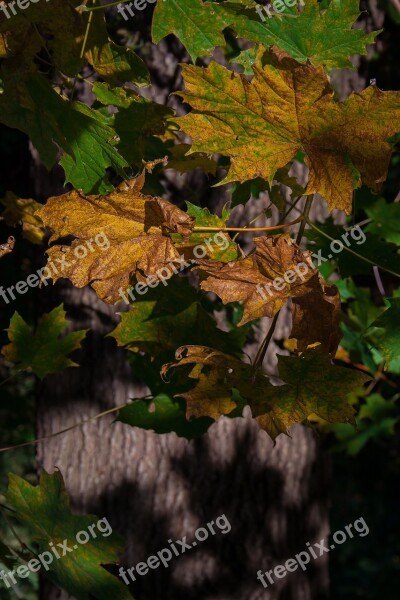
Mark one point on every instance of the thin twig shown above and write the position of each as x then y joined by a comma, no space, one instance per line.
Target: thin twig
51,435
367,260
291,207
92,8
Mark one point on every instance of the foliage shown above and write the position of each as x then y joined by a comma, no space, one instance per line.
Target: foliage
194,290
42,350
44,509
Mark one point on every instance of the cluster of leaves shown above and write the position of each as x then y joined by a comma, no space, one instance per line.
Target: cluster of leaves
282,108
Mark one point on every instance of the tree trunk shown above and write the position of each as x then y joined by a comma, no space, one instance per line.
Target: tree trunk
154,488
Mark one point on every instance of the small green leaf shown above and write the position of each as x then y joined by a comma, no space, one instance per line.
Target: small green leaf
42,349
195,23
389,343
140,331
164,414
217,245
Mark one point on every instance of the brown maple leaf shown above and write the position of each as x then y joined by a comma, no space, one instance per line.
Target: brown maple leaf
263,281
135,226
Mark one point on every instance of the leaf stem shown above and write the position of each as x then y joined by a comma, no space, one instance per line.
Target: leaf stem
364,258
264,346
249,230
87,32
252,221
306,212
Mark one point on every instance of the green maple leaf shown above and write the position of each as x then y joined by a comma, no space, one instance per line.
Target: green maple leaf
319,385
44,509
136,123
322,37
197,24
42,349
112,62
88,143
139,331
389,343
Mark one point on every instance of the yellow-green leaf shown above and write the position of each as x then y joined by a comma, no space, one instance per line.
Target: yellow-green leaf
262,125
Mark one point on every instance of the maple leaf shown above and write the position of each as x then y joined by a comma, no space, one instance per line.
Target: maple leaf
136,227
312,386
136,123
321,37
197,24
42,349
59,29
22,211
31,105
251,280
7,247
183,164
45,511
262,125
212,393
113,63
168,319
385,220
55,26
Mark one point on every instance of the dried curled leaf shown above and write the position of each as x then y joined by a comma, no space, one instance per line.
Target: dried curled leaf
7,247
262,125
135,227
263,281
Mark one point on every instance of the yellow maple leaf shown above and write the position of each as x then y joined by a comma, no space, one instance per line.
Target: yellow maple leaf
289,107
134,226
